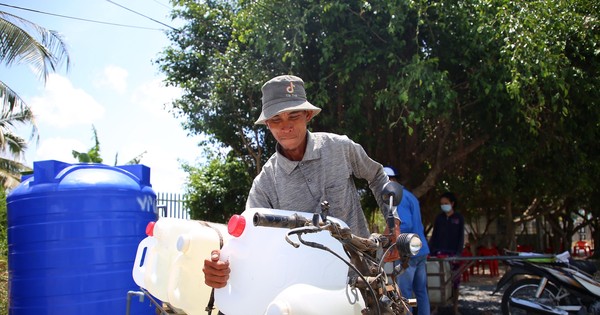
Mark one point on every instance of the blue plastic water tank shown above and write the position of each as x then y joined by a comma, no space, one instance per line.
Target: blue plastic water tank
73,231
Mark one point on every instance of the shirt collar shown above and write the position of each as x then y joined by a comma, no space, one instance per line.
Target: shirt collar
312,152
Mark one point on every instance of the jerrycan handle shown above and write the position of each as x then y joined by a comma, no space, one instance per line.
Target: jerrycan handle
139,265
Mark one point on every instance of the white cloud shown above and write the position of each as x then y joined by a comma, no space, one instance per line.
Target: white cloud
63,105
59,149
153,95
165,172
115,78
163,152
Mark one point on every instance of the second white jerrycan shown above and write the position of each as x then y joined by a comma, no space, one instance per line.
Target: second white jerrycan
186,285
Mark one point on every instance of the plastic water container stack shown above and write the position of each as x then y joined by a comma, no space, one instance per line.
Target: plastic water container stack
268,275
169,261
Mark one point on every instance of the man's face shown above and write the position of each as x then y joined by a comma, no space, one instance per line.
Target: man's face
289,128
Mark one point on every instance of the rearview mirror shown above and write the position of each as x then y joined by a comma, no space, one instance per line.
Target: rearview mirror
392,189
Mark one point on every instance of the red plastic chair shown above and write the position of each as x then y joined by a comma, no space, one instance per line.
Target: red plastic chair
582,246
480,263
493,265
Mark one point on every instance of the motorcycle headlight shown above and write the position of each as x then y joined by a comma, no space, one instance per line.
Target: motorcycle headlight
408,244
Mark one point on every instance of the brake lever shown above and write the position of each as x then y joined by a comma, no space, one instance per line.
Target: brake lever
299,231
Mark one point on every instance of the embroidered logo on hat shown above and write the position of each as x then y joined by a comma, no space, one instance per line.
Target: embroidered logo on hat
290,89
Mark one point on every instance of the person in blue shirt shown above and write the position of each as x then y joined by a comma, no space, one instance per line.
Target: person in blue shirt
414,279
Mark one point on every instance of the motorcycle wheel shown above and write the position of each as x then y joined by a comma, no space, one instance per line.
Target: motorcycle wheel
525,289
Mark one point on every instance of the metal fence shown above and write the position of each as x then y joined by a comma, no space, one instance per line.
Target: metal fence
170,205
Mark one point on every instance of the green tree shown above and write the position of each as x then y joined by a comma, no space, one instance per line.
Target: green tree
135,160
540,155
218,189
22,42
479,97
93,154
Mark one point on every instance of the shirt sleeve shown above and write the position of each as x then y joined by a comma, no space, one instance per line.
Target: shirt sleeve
366,168
257,197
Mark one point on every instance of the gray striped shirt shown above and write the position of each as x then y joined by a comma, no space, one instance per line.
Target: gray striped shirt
325,174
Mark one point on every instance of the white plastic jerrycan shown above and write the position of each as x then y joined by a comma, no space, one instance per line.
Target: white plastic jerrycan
186,284
160,250
140,266
304,299
263,263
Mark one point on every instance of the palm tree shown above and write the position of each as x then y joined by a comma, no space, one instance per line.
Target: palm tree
12,145
23,42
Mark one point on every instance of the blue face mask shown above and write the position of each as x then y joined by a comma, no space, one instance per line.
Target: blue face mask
446,208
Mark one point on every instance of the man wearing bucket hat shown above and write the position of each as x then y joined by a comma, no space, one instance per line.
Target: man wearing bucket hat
307,168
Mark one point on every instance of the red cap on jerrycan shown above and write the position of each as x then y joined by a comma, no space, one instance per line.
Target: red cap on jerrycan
236,225
150,228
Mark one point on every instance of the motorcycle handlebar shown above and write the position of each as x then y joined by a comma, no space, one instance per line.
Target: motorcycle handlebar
279,221
295,221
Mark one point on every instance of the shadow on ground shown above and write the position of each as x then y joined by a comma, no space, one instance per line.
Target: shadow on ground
475,297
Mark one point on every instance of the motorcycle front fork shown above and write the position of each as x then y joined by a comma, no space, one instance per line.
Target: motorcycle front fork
560,295
541,287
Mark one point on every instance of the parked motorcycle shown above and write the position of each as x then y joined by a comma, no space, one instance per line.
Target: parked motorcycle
562,286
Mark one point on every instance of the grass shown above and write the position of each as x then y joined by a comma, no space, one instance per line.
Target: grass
3,285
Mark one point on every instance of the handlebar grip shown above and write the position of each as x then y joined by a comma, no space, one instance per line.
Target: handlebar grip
279,221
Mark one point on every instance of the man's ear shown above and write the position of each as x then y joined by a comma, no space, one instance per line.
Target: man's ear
309,115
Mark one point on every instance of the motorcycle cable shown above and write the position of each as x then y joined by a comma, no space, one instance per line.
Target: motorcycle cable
312,229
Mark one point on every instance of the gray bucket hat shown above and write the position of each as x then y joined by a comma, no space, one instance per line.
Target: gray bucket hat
284,94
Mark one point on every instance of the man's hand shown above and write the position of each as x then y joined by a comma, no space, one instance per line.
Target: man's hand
216,272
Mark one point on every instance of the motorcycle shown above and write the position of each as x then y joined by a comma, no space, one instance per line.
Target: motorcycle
560,286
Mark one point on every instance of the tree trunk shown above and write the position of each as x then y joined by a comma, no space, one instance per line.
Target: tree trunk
511,240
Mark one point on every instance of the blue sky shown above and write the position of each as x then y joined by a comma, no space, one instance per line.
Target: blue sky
112,84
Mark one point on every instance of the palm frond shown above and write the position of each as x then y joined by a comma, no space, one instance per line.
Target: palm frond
10,172
25,42
9,98
13,145
9,118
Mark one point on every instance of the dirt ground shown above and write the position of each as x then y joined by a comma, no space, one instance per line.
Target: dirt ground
475,296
